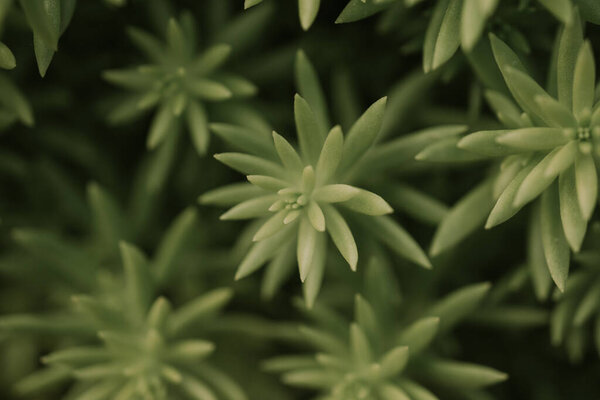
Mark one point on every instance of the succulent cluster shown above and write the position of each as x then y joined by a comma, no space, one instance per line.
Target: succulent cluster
341,150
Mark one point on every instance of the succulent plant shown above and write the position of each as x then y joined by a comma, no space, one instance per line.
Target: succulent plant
384,354
548,149
305,196
178,82
143,349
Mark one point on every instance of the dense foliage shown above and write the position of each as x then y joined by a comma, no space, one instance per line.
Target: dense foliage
169,169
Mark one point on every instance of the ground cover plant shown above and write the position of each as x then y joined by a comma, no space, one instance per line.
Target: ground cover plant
307,199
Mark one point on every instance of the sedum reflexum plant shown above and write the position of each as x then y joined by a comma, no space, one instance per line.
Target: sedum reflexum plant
127,342
383,354
458,24
178,82
548,149
305,196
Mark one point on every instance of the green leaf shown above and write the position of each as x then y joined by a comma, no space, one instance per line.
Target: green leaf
247,139
230,195
288,156
208,89
310,88
310,136
307,10
251,165
307,238
392,392
537,180
462,376
467,215
108,218
396,238
147,43
394,361
571,40
331,155
7,58
369,203
587,184
44,19
341,235
584,81
359,345
486,143
506,110
536,259
313,281
443,34
363,134
273,225
335,193
556,248
316,216
172,244
199,309
446,150
415,203
162,124
505,206
251,208
418,335
590,9
473,18
456,306
197,121
356,10
263,251
574,225
12,99
561,9
137,279
214,57
416,391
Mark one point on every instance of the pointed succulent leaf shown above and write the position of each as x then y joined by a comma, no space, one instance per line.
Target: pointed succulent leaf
310,136
587,184
310,88
561,9
464,218
331,155
341,235
369,203
418,335
573,222
584,81
363,134
458,305
463,376
570,42
307,10
288,156
556,248
443,34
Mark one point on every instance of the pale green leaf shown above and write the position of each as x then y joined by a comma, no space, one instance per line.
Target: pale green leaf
574,225
341,235
443,34
556,248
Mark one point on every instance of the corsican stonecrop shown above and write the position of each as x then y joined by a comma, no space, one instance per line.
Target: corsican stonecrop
304,196
126,342
178,82
383,354
548,150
